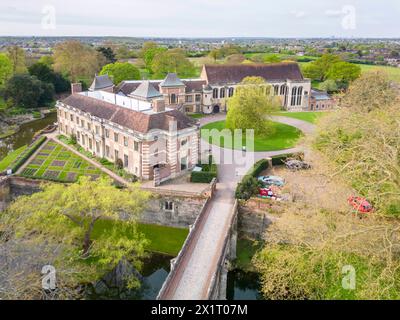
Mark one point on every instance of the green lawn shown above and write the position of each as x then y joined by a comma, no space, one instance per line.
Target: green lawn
308,116
55,163
5,163
283,137
166,240
245,251
197,115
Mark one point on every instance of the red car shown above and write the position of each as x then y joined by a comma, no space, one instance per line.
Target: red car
360,204
268,193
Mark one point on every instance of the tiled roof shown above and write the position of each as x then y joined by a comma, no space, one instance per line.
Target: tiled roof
171,80
101,82
194,85
146,91
231,74
137,121
127,87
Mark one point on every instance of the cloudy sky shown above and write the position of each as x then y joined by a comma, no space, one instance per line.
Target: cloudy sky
201,18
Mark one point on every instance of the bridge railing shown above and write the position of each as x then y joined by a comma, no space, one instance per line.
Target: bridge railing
168,287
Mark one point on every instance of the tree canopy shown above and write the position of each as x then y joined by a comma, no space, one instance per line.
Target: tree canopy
6,69
174,61
18,59
73,218
44,73
250,106
108,54
121,71
75,59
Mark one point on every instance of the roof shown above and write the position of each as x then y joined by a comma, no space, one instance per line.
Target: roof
194,85
231,74
134,120
101,82
146,91
172,80
127,87
320,95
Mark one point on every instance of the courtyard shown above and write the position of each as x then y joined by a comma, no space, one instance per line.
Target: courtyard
55,163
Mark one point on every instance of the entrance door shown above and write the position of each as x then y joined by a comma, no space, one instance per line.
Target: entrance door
184,165
216,109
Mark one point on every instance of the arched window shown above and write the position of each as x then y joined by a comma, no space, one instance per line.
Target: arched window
276,90
299,96
215,93
283,87
173,98
294,93
231,91
222,93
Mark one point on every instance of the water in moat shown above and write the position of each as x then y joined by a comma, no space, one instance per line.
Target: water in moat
243,286
25,134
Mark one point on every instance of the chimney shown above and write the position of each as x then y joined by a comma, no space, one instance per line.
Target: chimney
158,105
76,87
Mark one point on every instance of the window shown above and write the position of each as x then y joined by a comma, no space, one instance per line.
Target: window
276,90
173,98
83,140
72,118
183,142
89,127
189,99
125,141
283,90
299,96
215,93
107,151
222,93
116,155
97,130
82,123
294,93
168,206
126,161
198,97
97,147
90,144
136,146
107,133
78,135
77,120
231,91
115,137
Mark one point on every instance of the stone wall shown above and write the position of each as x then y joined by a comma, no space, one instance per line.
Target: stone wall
4,192
173,211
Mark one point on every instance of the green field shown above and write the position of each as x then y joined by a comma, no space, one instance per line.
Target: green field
5,163
56,163
283,137
166,240
308,116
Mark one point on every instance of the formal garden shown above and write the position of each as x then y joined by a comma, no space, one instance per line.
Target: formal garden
56,163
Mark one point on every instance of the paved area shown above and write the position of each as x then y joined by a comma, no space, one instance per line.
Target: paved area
194,275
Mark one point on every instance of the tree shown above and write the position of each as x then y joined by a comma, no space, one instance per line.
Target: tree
251,105
247,188
47,60
76,59
27,91
149,51
6,69
121,71
108,53
272,58
17,57
174,61
215,54
82,221
343,73
44,73
329,86
318,69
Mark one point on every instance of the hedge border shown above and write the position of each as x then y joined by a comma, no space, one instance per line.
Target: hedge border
26,154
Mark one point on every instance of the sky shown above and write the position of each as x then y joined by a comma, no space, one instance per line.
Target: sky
201,18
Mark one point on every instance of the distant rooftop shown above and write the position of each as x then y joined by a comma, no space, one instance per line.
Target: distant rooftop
172,80
145,91
101,82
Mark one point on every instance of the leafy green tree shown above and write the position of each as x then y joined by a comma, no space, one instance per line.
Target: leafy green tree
121,71
47,60
44,73
6,69
18,59
272,58
108,53
343,73
329,86
83,221
149,51
318,69
251,105
247,188
215,54
27,91
173,60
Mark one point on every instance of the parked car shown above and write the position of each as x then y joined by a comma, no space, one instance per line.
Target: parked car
269,193
272,181
297,165
360,204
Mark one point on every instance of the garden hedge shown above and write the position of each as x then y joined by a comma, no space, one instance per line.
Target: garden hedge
27,153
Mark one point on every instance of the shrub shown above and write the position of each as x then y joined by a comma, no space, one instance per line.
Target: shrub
203,177
248,188
27,153
258,167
